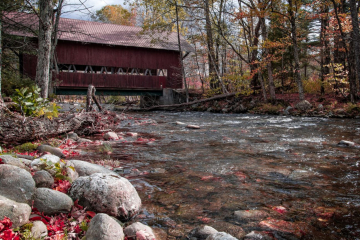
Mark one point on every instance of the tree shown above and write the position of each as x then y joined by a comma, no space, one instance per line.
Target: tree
115,14
44,46
355,35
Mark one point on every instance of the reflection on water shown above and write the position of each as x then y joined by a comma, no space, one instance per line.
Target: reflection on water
246,162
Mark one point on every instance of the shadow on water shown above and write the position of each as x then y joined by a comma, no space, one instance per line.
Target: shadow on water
246,162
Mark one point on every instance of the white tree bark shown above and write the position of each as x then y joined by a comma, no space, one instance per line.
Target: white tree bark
44,46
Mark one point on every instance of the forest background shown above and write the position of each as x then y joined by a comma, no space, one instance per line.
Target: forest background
245,46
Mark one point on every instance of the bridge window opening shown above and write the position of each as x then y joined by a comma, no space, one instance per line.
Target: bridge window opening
121,71
89,69
148,72
135,71
162,72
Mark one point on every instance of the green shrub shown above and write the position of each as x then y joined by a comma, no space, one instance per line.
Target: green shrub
26,147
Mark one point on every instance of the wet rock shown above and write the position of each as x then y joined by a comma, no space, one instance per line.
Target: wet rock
297,229
158,170
51,202
298,174
104,227
53,150
303,105
345,143
201,233
288,110
193,126
220,236
71,172
43,179
42,162
39,230
111,136
320,108
140,231
18,162
18,213
246,215
16,184
106,193
233,230
255,235
86,169
84,140
180,123
132,134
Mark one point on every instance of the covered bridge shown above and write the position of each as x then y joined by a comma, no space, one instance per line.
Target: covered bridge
116,59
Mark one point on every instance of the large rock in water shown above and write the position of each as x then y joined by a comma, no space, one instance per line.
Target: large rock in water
86,169
104,227
16,184
18,213
139,231
106,193
51,202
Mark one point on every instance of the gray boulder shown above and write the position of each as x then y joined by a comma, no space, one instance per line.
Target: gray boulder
303,105
72,136
105,193
18,213
39,163
104,227
51,202
111,136
246,215
39,230
201,233
220,236
19,162
137,228
86,169
43,179
16,184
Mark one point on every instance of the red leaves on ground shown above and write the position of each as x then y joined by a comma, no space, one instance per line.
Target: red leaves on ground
5,232
62,185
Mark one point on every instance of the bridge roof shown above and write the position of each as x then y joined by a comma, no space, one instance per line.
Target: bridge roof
96,32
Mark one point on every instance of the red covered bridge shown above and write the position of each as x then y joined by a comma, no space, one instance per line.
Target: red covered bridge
116,59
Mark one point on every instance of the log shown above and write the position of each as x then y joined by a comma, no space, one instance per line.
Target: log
175,106
20,130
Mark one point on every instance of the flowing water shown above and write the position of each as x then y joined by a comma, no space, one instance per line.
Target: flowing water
289,167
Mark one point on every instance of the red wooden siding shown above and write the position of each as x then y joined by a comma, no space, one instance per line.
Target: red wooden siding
111,81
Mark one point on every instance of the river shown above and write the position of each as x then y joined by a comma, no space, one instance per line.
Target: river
292,168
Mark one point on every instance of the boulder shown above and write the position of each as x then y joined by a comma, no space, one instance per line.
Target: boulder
39,230
136,229
73,136
86,169
18,213
220,236
71,172
19,162
43,179
106,193
53,150
16,184
303,105
202,232
39,163
104,227
111,136
51,202
246,215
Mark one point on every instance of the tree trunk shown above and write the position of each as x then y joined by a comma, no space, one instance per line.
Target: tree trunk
356,36
180,51
44,46
292,18
214,83
0,53
53,63
325,50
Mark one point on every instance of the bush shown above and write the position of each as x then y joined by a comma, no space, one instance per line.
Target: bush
26,147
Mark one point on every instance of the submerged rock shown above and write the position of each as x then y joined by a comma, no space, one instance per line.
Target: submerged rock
298,229
246,215
255,235
300,174
104,227
106,193
345,143
202,232
220,236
